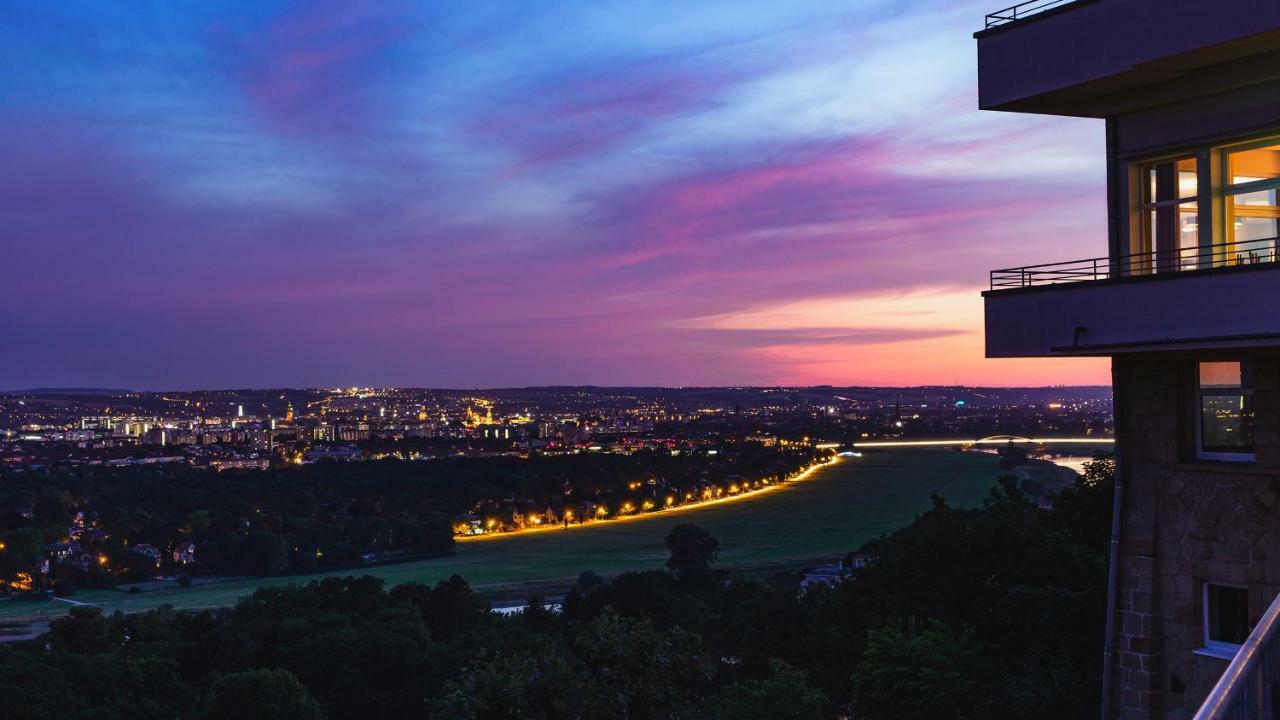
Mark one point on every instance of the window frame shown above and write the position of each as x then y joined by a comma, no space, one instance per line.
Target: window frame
1146,256
1226,194
1245,389
1139,251
1217,648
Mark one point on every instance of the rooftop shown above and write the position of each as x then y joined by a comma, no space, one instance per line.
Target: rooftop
1022,11
1102,58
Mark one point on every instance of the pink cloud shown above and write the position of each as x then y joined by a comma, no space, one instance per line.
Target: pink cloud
833,208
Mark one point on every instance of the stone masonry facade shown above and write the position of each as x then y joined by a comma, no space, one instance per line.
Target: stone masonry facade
1186,522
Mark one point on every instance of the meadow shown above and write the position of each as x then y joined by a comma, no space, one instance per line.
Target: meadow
835,510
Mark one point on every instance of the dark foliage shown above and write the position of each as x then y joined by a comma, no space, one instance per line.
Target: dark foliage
960,616
327,515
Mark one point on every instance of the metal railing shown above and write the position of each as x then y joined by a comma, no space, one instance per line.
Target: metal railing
1202,257
1021,10
1247,688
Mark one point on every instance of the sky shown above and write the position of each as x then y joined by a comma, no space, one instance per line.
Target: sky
505,193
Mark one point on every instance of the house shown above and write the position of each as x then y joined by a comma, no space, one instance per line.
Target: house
184,553
823,575
150,551
1183,297
834,573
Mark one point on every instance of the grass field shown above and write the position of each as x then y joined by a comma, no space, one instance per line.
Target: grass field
833,511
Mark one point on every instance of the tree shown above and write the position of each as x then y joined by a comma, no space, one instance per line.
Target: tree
449,610
934,673
85,631
641,671
32,687
22,552
784,695
265,553
692,549
264,694
589,580
130,565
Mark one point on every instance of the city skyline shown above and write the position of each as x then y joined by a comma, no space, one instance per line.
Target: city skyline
266,195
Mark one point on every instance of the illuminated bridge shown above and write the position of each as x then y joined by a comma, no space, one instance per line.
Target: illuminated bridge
992,440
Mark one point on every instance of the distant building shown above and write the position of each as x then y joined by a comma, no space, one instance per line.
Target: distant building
836,572
240,464
184,553
344,454
823,575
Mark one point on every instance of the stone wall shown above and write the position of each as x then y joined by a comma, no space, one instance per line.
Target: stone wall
1186,521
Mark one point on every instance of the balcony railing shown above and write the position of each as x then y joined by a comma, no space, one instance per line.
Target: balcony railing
1021,10
1247,688
1203,257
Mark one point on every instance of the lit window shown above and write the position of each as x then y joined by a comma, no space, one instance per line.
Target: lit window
1252,210
1226,617
1225,417
1170,236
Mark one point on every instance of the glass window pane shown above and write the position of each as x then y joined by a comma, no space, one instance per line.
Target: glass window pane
1188,237
1260,198
1226,424
1255,239
1228,614
1221,374
1187,178
1254,164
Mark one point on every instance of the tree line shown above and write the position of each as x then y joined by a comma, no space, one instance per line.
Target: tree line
126,524
966,613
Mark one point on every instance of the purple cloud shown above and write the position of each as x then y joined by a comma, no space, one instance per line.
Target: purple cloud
582,113
315,69
203,250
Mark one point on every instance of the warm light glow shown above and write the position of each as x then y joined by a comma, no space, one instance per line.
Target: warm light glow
984,441
895,338
688,507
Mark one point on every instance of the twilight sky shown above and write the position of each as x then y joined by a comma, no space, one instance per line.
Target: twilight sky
496,193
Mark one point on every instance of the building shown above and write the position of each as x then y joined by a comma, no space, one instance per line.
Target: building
334,454
1186,303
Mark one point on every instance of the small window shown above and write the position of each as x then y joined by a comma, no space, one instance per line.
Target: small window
1224,418
1226,617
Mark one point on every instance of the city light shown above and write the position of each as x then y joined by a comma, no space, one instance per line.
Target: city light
637,517
983,441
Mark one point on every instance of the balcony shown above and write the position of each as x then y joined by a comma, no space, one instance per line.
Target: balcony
1100,58
1022,11
1214,296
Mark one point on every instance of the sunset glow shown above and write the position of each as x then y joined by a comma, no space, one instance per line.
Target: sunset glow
360,193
